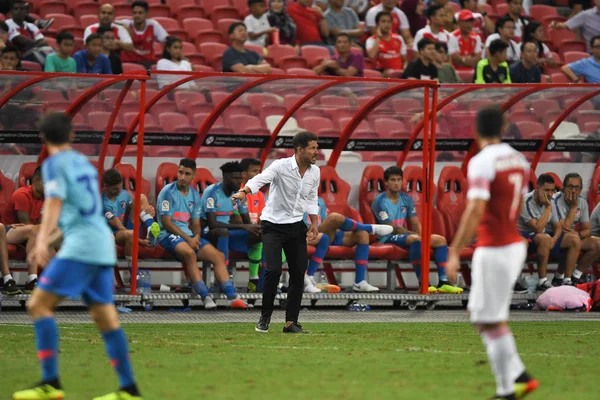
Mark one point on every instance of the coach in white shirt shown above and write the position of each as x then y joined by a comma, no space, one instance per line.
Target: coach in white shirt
293,191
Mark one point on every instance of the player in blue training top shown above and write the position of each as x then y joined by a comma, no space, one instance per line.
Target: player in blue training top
395,208
337,230
216,211
83,266
179,210
118,211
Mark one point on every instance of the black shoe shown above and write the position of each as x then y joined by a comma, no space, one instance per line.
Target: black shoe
294,328
582,279
507,397
263,324
568,283
519,289
10,288
557,282
29,286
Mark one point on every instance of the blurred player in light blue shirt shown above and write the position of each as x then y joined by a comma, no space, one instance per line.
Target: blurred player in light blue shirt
82,268
179,219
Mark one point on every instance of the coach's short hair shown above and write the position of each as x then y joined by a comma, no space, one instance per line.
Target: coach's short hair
112,177
571,175
246,163
545,178
56,127
391,171
302,139
490,122
188,163
231,167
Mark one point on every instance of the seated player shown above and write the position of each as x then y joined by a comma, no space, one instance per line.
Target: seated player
217,210
118,211
572,209
393,207
337,230
9,285
535,223
179,207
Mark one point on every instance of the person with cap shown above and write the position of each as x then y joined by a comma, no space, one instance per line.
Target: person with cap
465,46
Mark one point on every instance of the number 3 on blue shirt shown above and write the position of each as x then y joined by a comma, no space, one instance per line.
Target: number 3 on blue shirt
86,181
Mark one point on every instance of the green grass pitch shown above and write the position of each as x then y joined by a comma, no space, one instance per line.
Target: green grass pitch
336,361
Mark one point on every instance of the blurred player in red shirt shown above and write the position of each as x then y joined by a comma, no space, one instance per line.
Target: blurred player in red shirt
386,48
498,178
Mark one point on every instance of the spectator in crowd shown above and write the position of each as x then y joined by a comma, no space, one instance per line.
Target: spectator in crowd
526,70
25,36
465,46
61,61
447,16
109,49
515,8
3,34
534,32
482,23
91,60
239,59
343,19
360,7
257,24
578,6
106,17
346,63
6,8
435,30
9,58
279,18
313,26
413,9
423,67
172,60
494,68
388,49
505,30
144,32
399,20
446,71
588,23
589,67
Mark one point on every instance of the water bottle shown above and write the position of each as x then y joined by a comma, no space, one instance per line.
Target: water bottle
139,280
358,307
147,282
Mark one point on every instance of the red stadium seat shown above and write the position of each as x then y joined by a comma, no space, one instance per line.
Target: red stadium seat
412,184
334,190
171,25
195,25
572,56
298,71
64,22
87,20
241,6
314,54
159,10
165,174
319,125
531,129
187,101
389,127
211,51
559,77
594,192
466,75
203,179
127,171
567,46
7,188
132,67
26,173
451,197
31,66
53,7
540,11
362,131
150,124
85,8
210,5
245,124
282,52
590,127
183,9
371,185
168,120
371,73
223,24
227,15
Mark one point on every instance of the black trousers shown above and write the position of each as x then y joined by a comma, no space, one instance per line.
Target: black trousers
292,239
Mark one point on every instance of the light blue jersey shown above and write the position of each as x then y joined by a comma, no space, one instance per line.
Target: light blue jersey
322,213
117,208
182,209
69,176
214,200
387,212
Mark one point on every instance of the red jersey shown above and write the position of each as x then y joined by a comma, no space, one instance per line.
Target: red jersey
22,200
498,174
464,46
308,19
390,51
143,41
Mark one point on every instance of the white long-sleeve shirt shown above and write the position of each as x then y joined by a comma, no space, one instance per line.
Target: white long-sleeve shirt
290,195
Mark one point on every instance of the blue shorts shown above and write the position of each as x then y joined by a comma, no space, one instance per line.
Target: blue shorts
238,240
128,226
74,279
399,239
7,228
170,242
338,239
556,251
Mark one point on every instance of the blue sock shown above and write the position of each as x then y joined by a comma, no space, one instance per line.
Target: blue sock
361,259
223,247
200,288
441,257
46,341
414,255
228,289
319,254
118,352
351,225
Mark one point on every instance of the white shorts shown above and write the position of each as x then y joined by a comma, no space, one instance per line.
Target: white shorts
494,271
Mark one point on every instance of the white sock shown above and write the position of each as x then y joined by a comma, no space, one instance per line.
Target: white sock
144,216
504,359
31,277
128,258
567,280
559,276
542,281
7,278
577,274
253,277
